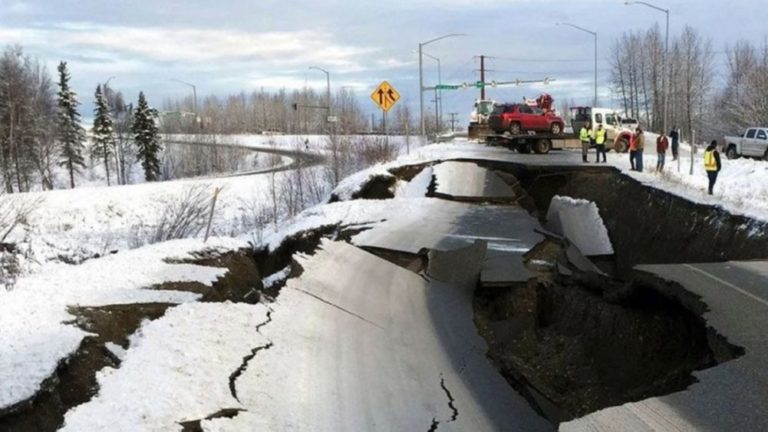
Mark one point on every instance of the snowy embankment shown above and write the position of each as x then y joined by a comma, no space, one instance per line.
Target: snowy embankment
94,220
36,330
741,188
177,369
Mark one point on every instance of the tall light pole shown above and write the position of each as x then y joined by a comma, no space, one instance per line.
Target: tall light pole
594,101
665,83
421,76
438,93
194,100
327,93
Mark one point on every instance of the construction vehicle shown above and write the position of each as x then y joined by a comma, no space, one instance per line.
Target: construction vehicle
478,119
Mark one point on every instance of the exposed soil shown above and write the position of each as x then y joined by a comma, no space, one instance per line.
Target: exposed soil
577,344
241,283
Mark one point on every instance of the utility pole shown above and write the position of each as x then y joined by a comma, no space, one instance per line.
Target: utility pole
453,121
482,77
198,119
594,34
437,115
328,122
421,77
439,92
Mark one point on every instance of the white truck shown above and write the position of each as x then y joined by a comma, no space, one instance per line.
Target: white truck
752,143
617,129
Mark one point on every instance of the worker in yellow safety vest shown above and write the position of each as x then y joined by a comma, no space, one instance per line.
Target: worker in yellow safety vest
600,142
712,163
585,136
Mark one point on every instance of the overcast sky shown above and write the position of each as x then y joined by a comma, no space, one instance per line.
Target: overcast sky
226,46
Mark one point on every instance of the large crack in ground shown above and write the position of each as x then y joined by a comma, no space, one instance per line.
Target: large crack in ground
573,342
247,359
451,405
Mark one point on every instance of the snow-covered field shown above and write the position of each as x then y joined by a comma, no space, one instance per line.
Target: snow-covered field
71,225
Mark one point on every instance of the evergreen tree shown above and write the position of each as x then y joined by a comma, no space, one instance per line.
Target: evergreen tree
147,139
71,134
103,133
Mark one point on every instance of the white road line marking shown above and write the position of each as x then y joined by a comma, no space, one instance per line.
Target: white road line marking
728,284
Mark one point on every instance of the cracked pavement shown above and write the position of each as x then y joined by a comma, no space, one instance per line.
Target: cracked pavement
327,371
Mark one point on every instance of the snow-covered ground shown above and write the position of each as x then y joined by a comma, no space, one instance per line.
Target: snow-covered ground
71,225
741,188
34,330
177,369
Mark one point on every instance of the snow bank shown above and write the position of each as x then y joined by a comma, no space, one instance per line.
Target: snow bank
177,369
352,185
741,188
33,336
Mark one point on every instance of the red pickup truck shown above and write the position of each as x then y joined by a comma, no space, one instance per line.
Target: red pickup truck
520,118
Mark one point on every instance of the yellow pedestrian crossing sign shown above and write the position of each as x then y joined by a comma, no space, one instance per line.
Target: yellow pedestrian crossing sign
385,96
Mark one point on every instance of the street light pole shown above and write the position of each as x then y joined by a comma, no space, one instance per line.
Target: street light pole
327,94
194,100
439,95
665,83
594,101
421,76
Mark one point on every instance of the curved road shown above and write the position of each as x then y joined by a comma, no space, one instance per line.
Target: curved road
299,159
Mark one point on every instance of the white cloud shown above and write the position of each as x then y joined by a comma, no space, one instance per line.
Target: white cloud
191,45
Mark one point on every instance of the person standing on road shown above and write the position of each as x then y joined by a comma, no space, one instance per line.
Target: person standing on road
661,150
712,164
585,136
673,134
600,142
632,150
640,145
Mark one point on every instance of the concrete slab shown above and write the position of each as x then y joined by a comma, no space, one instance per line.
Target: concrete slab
509,232
732,396
579,221
466,181
360,344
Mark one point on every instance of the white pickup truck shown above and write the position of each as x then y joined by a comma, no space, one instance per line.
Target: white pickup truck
753,143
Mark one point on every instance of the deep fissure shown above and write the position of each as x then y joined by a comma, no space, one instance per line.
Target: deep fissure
573,342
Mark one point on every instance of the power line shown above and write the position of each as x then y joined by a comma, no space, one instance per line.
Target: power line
541,60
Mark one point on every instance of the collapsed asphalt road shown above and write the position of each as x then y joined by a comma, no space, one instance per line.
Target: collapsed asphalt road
464,313
362,331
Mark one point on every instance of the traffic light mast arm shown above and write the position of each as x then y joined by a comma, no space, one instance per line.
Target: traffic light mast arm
480,84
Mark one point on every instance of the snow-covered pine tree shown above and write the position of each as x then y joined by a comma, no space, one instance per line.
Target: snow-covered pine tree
147,139
103,133
71,134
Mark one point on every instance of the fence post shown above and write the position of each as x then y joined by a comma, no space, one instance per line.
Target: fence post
210,216
693,150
